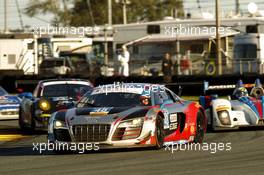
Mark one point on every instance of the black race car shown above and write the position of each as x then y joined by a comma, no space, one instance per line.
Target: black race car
48,97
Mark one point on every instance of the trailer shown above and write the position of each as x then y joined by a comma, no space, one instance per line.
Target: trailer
21,54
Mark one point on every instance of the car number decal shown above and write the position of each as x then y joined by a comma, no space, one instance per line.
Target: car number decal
173,118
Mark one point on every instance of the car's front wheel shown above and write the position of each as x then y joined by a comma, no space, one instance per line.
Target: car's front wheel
200,128
20,120
159,132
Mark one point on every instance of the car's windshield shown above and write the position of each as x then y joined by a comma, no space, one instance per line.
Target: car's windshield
2,92
114,99
75,91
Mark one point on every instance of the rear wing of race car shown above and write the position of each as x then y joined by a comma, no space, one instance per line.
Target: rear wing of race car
214,88
211,92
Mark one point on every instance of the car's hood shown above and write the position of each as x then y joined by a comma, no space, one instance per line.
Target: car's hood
106,115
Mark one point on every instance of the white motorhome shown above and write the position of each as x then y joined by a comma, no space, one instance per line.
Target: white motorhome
129,32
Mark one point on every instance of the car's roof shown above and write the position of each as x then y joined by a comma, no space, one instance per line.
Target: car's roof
127,84
138,88
65,81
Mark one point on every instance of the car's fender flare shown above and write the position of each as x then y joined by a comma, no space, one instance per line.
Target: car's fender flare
191,113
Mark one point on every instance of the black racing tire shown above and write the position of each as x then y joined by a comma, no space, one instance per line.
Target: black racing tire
20,120
210,126
33,123
200,128
32,120
159,132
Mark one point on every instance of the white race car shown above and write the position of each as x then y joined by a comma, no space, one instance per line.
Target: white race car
239,110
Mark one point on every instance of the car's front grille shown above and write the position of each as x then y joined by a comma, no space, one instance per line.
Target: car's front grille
91,132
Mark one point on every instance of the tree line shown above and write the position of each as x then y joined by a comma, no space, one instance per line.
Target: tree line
95,12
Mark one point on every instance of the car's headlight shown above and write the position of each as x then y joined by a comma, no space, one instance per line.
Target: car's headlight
133,123
59,124
224,117
44,105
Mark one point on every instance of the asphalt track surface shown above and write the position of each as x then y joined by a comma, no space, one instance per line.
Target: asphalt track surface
245,157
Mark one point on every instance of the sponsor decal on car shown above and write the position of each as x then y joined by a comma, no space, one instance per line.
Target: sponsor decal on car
166,118
100,111
173,121
222,108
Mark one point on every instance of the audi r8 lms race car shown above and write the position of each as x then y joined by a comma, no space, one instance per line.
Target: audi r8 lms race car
135,115
9,105
240,110
48,97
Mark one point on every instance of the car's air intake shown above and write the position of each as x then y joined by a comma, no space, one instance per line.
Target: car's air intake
91,132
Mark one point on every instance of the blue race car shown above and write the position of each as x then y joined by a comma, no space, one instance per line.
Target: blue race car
9,105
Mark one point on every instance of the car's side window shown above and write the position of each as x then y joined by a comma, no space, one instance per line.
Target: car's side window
176,97
161,97
170,96
158,98
165,96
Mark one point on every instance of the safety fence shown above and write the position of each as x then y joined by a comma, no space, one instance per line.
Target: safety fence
196,67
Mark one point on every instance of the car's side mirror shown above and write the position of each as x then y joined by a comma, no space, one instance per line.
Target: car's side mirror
28,95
